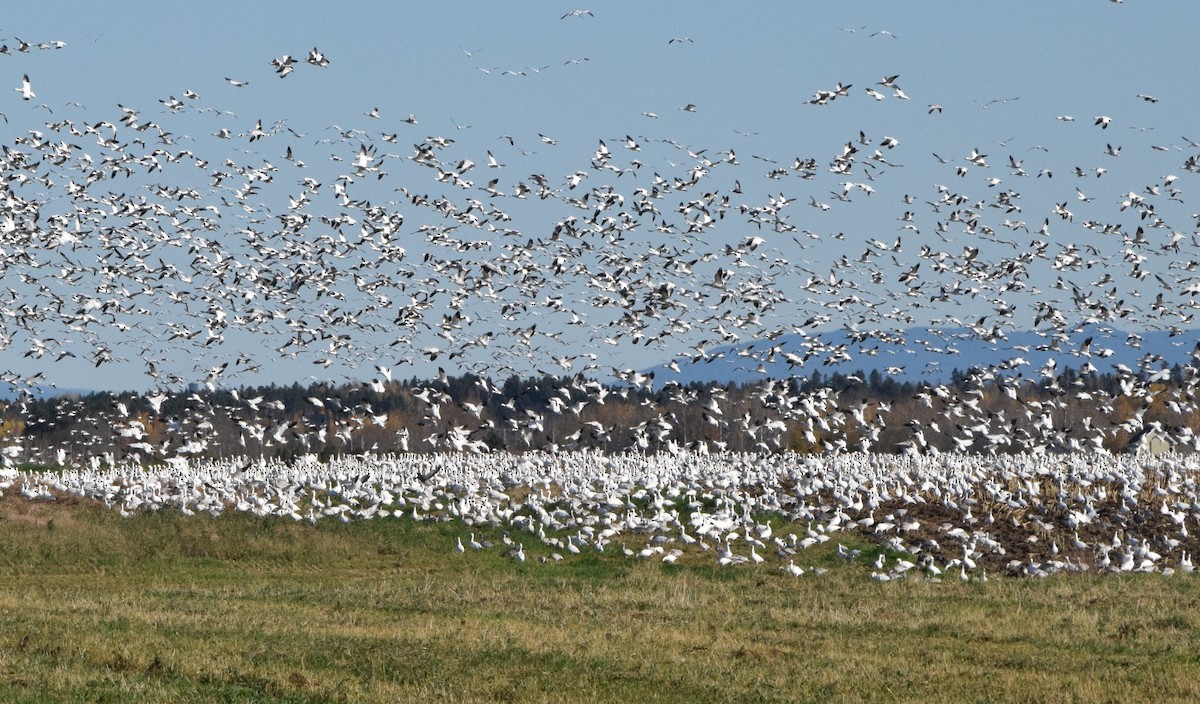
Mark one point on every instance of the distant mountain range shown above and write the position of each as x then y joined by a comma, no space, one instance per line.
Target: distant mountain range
915,354
928,354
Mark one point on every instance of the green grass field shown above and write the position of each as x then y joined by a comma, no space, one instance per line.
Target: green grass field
165,607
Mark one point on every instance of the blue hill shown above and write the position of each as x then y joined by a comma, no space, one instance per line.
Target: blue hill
929,354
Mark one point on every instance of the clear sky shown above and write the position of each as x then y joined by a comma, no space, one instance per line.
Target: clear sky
539,86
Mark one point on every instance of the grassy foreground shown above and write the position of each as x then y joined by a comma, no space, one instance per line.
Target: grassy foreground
165,607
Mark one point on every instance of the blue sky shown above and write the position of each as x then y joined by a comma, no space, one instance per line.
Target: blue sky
1003,73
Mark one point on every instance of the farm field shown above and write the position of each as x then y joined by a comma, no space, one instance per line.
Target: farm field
165,607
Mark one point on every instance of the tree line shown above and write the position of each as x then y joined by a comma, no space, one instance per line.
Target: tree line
975,411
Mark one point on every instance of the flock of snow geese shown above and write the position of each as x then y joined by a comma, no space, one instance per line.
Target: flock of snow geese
946,516
126,241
